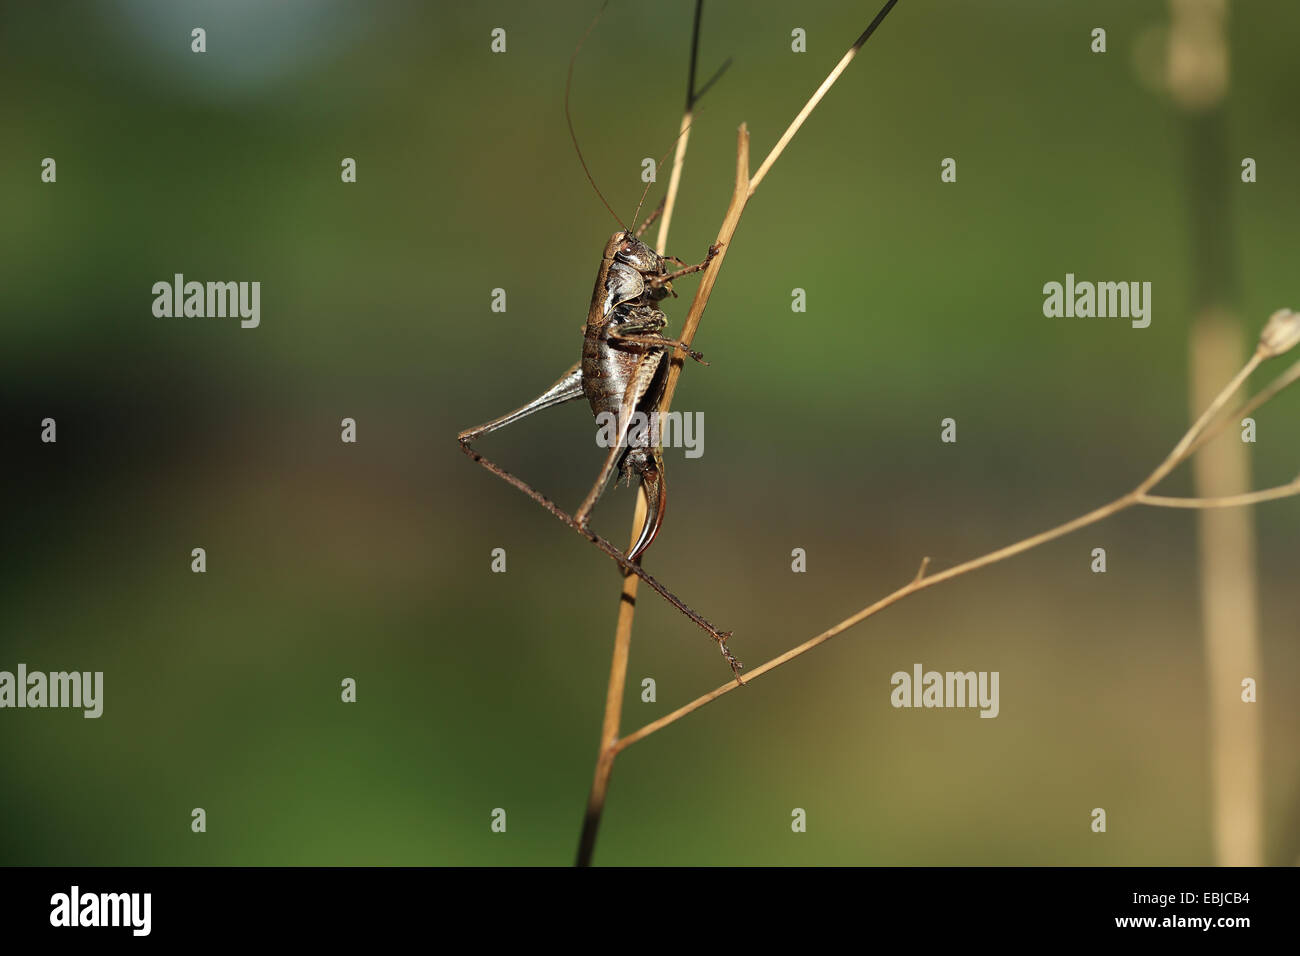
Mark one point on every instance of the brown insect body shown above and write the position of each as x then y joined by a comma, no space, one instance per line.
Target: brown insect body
622,373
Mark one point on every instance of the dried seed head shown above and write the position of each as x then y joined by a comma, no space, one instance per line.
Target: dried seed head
1281,333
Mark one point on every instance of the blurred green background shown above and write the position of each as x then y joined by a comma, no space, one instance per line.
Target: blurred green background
479,690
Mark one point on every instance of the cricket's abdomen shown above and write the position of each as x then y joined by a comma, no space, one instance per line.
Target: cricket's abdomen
606,373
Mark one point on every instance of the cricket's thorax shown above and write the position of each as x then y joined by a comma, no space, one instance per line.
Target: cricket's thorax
622,301
624,268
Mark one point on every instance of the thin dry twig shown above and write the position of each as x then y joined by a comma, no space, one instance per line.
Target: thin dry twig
1179,454
1266,394
745,187
610,744
1186,447
1202,431
627,596
1225,501
840,67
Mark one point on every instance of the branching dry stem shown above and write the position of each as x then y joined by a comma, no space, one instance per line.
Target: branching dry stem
745,186
1208,425
1194,439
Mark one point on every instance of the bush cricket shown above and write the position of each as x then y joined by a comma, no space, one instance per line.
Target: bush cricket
623,367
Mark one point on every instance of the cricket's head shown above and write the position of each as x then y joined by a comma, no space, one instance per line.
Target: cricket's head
628,248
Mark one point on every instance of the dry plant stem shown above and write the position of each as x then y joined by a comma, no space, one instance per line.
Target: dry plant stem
1200,433
613,701
1138,496
919,583
674,181
739,196
1266,394
745,186
817,97
1227,501
627,596
1180,451
610,744
1198,78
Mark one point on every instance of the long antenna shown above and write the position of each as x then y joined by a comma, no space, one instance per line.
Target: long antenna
645,192
692,95
568,83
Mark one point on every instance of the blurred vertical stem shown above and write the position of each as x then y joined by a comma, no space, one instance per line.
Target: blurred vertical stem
1197,76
